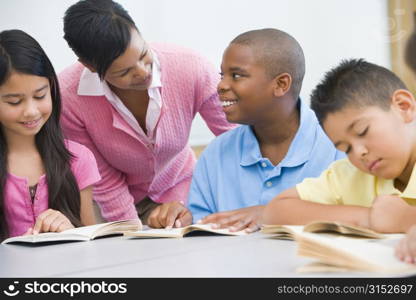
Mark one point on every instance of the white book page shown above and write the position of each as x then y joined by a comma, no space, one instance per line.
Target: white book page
371,252
85,230
225,231
81,234
93,231
46,237
156,232
178,232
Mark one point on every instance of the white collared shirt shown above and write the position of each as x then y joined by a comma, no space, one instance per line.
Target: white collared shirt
90,84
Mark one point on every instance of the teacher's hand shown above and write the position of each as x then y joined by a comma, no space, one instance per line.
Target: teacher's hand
168,215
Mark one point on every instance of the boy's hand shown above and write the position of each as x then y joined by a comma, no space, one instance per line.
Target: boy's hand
247,218
168,215
390,214
51,221
406,248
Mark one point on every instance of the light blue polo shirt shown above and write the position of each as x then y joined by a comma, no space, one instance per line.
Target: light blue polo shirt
231,173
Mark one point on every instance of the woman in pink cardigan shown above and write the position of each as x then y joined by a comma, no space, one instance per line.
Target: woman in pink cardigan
132,104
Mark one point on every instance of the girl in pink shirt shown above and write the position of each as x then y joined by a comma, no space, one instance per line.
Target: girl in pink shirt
45,180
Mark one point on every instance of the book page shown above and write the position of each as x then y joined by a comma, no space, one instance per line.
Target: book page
327,226
103,229
85,230
285,232
350,253
180,232
117,227
156,233
83,233
208,228
47,237
76,234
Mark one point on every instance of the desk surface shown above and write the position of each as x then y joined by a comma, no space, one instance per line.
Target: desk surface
254,255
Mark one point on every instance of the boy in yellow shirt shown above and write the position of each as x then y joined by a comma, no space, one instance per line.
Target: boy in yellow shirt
406,249
368,113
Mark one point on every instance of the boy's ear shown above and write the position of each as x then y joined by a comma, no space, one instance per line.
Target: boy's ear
282,85
404,103
88,66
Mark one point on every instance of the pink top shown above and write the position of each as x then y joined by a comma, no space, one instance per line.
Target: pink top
131,166
21,212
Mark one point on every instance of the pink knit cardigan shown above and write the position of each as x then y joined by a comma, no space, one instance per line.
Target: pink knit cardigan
132,168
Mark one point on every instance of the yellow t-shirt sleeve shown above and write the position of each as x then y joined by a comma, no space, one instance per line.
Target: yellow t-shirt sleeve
324,189
344,184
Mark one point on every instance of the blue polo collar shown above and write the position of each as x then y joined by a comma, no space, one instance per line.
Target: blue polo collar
300,149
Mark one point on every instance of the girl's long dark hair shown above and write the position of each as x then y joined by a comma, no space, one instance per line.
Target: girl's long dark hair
21,53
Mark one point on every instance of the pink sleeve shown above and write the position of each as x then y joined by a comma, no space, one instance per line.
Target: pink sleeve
83,165
179,192
111,192
210,107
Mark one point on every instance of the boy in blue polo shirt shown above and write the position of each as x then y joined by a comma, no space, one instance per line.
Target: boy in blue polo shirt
279,143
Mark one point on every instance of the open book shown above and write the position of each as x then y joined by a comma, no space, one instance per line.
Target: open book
180,232
343,253
84,233
289,231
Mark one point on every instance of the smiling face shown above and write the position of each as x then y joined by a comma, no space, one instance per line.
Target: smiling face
376,141
133,69
245,89
25,104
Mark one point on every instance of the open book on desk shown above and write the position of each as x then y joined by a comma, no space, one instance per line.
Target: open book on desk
84,233
339,247
289,231
180,232
343,253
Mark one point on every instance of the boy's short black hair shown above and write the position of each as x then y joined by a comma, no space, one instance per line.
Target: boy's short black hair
354,82
278,52
98,31
410,53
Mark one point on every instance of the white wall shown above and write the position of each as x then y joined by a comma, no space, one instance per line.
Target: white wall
328,30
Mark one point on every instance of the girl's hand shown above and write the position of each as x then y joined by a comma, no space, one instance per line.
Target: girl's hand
51,221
